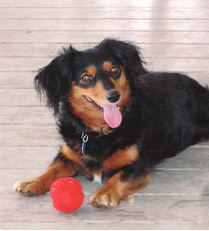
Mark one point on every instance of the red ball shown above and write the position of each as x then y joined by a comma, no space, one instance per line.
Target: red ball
66,194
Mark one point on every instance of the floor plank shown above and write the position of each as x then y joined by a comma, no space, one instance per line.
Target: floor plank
104,25
29,136
36,115
148,50
92,37
17,80
108,3
104,13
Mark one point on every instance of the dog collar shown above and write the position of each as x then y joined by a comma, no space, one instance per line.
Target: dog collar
84,138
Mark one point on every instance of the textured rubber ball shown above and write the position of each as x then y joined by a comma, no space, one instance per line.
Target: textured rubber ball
66,194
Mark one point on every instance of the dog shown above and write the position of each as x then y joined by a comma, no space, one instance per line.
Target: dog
117,119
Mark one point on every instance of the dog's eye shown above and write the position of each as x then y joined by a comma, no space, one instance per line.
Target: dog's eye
86,78
114,70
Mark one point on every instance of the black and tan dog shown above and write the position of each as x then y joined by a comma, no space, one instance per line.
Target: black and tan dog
116,118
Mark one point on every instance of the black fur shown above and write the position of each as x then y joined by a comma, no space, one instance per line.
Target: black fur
55,79
167,113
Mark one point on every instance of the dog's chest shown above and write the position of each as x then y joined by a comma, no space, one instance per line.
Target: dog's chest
97,177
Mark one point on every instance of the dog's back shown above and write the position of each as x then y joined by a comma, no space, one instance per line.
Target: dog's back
176,109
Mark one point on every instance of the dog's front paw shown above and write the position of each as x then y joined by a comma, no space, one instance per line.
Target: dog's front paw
30,188
104,197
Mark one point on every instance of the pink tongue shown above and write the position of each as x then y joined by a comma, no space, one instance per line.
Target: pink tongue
112,115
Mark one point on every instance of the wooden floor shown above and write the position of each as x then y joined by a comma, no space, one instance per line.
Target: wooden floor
173,35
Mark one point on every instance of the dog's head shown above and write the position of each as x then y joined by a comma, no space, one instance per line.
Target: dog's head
95,82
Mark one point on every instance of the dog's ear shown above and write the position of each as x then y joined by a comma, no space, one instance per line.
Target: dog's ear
54,80
128,55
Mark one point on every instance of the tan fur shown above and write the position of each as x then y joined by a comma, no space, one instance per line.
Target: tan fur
107,66
121,158
84,110
41,184
91,71
70,154
89,114
116,190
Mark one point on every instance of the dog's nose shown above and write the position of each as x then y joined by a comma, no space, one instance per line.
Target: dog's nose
113,96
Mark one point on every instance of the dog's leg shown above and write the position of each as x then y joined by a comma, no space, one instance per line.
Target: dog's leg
118,189
65,164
